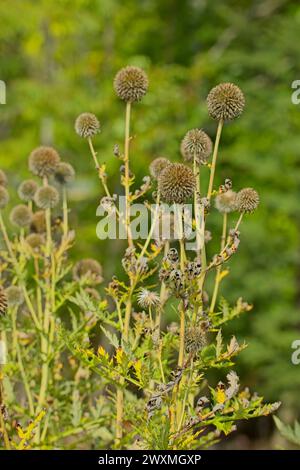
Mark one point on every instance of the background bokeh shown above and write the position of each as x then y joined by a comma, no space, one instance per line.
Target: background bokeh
58,59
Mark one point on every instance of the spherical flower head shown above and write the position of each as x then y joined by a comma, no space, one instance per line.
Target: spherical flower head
14,296
157,166
196,144
247,200
131,84
46,197
225,101
27,190
4,197
38,222
176,183
87,125
43,161
64,173
147,299
194,340
3,301
226,202
35,241
3,178
20,216
89,269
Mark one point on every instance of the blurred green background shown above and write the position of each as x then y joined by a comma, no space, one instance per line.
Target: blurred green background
58,59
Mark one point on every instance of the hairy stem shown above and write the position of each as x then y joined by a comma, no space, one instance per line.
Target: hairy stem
219,268
214,159
127,173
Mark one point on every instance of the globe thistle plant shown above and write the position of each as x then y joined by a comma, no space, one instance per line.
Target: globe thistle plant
247,200
87,125
88,268
46,197
147,299
64,173
225,102
157,165
196,144
38,222
131,84
14,296
20,216
176,183
225,202
43,161
35,241
27,190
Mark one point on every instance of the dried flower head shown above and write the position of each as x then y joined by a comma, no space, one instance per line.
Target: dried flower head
3,301
247,200
27,190
225,101
35,241
4,197
88,268
176,183
131,84
38,222
157,166
14,296
196,144
43,161
64,173
194,339
3,178
46,197
148,299
20,216
87,125
226,202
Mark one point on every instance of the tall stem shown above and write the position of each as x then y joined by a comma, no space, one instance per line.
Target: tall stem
196,169
65,212
127,173
214,159
219,268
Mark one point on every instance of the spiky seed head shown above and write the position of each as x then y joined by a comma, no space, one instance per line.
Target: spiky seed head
157,166
225,101
3,301
89,268
87,125
247,200
226,202
35,241
46,197
27,190
148,299
3,178
64,173
43,161
194,340
14,296
38,222
4,197
196,144
176,183
131,84
20,216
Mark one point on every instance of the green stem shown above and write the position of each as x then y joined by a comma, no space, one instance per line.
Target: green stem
219,268
214,159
